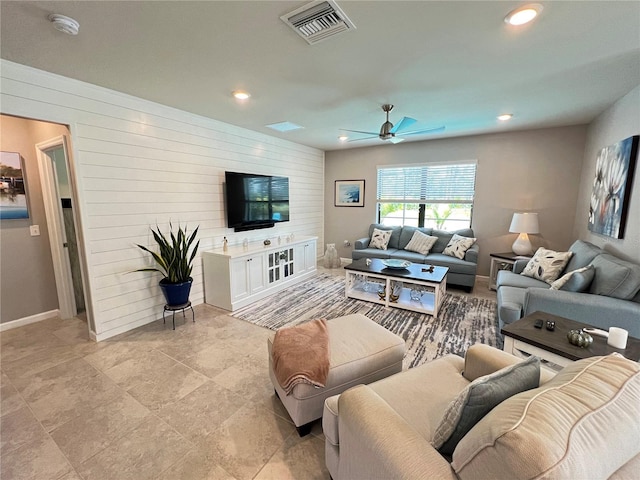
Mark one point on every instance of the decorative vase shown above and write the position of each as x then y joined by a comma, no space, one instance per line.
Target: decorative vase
331,258
176,293
579,338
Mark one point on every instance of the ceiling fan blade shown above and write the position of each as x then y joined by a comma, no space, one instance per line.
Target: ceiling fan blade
406,122
360,131
396,140
417,132
364,138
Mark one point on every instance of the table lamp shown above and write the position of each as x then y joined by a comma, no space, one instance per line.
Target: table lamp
523,223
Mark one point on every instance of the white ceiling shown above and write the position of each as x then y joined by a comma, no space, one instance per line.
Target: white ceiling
449,63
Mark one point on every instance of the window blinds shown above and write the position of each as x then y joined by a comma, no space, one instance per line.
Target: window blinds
435,183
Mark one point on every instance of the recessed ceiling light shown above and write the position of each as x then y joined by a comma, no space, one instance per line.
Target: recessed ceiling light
524,14
343,138
505,116
64,24
241,94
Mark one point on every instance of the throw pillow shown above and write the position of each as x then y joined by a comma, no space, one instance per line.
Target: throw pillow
576,281
546,265
615,277
480,397
380,239
420,243
458,246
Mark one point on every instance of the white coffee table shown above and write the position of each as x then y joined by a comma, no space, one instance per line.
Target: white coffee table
375,283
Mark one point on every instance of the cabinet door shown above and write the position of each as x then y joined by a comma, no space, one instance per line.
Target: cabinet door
306,257
256,273
240,280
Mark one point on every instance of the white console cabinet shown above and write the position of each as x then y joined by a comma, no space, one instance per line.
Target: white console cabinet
241,275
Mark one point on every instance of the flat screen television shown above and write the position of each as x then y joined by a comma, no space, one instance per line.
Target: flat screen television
256,201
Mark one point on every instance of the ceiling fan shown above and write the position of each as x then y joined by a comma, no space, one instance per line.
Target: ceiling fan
391,133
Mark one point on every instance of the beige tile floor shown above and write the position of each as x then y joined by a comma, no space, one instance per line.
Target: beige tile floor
194,403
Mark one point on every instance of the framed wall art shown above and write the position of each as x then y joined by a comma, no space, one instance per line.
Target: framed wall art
610,197
349,193
13,192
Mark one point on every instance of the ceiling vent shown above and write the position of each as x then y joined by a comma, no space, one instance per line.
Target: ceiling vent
318,21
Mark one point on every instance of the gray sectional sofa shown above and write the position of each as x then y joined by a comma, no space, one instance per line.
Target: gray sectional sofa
462,272
612,298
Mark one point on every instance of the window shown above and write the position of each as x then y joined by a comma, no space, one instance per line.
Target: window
434,195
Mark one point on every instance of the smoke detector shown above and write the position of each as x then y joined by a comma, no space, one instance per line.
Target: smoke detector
65,24
318,21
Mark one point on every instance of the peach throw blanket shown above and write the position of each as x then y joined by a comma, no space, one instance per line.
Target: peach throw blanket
301,355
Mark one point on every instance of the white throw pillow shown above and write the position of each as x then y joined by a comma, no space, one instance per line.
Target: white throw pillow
458,246
380,239
546,265
421,243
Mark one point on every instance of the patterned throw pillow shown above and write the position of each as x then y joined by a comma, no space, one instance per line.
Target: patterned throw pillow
546,265
380,239
458,246
421,243
577,280
480,397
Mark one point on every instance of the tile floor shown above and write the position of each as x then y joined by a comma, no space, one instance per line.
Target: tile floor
194,403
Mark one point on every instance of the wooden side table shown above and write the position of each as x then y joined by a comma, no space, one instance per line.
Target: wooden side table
521,339
502,261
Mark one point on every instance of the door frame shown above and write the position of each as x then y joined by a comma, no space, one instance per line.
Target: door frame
55,224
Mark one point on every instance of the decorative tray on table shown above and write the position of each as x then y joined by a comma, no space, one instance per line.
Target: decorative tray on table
396,264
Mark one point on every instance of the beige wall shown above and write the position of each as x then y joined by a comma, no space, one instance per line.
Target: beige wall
27,282
536,170
620,121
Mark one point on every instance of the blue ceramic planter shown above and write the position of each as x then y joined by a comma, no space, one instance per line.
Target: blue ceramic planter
176,293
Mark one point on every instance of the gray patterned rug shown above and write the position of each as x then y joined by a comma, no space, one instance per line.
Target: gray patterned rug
462,320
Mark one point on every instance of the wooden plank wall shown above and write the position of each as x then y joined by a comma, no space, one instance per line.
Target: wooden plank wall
138,164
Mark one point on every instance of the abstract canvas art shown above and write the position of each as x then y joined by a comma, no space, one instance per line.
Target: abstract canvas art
612,184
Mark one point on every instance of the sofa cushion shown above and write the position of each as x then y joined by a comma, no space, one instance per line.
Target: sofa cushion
615,277
570,427
583,254
506,278
576,280
480,397
458,246
407,234
413,257
380,239
394,241
455,264
546,265
421,243
357,254
444,237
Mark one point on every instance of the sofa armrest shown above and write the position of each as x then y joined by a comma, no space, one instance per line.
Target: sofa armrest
377,443
471,255
361,243
519,265
597,310
482,360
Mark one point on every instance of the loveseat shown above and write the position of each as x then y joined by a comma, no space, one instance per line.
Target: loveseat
583,423
607,294
462,271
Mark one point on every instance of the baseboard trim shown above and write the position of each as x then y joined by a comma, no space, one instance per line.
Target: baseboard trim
38,317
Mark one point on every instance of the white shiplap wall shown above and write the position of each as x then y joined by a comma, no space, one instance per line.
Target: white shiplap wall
138,164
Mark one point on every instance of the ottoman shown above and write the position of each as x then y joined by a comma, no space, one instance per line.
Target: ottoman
361,351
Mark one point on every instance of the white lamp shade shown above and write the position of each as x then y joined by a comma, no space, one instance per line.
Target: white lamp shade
524,223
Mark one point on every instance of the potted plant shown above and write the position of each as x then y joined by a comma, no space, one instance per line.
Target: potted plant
174,263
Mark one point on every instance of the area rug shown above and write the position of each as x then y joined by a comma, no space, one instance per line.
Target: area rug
462,320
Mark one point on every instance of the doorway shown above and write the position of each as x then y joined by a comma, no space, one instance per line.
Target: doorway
53,164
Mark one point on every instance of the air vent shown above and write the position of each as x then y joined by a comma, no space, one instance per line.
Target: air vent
318,21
